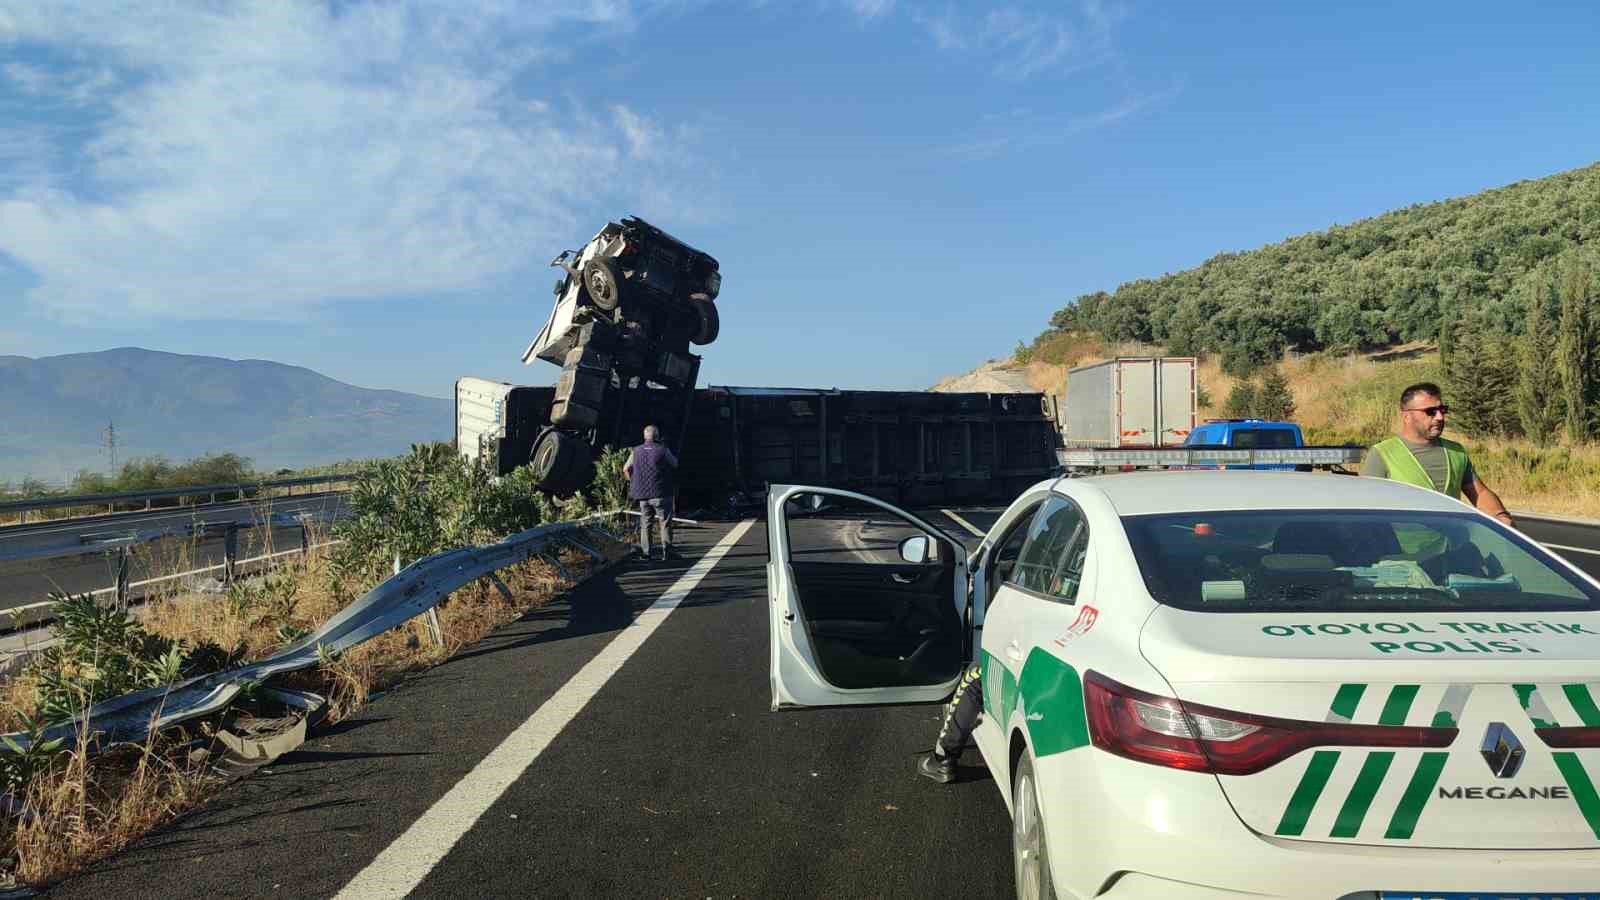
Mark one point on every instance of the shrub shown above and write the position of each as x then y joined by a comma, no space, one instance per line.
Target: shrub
1241,400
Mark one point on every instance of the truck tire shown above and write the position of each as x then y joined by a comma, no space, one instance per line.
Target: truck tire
603,282
555,456
710,324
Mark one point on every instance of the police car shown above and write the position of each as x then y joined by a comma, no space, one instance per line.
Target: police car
1223,684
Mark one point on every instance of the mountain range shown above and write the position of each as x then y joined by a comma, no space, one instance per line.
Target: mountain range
56,410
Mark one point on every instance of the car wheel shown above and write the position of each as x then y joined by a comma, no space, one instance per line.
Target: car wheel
710,324
602,281
1030,856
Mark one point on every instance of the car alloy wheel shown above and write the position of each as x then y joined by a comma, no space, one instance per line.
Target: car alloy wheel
1030,860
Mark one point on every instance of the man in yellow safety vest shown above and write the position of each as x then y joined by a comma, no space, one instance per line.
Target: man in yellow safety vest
1419,456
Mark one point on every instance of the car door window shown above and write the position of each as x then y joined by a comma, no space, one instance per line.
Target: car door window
874,618
1004,558
1050,535
1069,573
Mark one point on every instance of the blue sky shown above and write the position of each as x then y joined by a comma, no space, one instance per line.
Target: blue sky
896,191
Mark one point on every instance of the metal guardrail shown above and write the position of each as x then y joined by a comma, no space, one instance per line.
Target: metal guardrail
122,590
57,502
413,591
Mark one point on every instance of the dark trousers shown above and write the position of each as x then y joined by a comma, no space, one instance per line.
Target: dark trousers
962,713
661,508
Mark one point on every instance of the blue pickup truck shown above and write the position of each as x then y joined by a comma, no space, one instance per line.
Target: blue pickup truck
1248,434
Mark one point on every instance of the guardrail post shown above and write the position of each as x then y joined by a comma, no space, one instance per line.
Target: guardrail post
305,540
230,553
124,559
431,617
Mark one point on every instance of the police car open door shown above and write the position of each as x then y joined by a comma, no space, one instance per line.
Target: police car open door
868,603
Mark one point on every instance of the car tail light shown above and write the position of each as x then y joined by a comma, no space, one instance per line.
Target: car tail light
1571,738
1164,731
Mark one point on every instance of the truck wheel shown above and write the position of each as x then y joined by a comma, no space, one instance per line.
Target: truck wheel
601,279
551,460
710,324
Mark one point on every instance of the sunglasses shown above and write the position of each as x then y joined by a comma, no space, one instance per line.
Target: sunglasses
1431,411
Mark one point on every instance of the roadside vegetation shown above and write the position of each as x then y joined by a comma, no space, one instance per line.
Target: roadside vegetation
1350,398
61,808
1493,296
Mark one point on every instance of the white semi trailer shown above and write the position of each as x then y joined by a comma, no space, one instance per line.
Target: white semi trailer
1144,402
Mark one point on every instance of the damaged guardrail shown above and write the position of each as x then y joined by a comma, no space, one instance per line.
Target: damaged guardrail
414,590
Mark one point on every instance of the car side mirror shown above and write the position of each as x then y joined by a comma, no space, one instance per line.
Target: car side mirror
916,549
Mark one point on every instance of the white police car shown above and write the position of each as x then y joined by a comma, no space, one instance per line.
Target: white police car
1210,685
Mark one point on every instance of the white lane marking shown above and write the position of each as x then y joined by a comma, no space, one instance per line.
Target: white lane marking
1572,549
963,522
403,864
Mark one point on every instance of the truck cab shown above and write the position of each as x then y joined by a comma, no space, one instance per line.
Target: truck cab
1248,434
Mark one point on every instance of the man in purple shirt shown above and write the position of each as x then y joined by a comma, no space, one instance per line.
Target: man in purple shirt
652,471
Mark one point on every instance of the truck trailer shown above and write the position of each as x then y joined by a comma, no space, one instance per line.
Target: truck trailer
1145,402
912,447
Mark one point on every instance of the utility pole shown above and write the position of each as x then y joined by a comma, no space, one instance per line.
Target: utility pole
111,444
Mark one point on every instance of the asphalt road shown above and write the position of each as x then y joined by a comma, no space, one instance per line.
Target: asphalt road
675,780
1578,543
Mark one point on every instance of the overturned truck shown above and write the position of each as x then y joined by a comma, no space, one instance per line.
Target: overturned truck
908,447
630,306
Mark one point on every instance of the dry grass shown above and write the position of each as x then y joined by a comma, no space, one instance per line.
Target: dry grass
1054,354
1351,400
86,808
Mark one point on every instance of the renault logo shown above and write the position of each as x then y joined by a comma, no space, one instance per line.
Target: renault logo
1502,751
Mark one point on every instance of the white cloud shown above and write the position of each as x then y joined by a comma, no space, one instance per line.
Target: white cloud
247,160
871,9
1022,42
1020,130
643,135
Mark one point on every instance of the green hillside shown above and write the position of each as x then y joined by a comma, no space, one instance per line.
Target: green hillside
1385,280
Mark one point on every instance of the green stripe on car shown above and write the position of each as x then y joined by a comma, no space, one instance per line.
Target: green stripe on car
1419,790
1583,703
1376,766
1356,804
1307,792
1582,786
1320,768
1051,694
1053,697
1345,703
1404,822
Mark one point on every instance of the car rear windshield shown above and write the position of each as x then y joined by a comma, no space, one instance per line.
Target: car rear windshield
1294,560
1263,438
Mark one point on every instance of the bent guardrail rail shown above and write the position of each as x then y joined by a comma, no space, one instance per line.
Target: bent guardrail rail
411,592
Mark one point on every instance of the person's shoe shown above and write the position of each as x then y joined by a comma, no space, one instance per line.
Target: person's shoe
940,768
